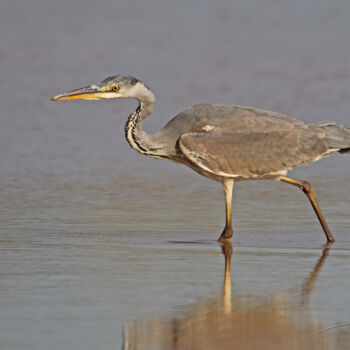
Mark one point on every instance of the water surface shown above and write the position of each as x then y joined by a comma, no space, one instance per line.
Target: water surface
101,246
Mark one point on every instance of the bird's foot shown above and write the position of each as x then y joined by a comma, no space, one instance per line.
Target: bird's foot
226,248
227,233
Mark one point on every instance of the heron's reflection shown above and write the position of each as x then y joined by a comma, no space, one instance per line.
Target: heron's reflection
235,323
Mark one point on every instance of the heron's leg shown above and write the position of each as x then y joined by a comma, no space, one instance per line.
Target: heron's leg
308,190
227,232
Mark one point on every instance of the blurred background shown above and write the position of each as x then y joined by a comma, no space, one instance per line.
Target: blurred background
94,235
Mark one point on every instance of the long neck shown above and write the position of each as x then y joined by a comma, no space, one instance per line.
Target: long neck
138,139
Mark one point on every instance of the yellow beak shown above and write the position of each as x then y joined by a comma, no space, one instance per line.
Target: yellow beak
86,93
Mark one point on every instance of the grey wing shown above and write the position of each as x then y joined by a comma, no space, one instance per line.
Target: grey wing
251,149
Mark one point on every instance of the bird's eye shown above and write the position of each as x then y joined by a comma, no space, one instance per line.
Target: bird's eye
115,88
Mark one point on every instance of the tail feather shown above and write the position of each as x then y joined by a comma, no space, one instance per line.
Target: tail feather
345,150
337,136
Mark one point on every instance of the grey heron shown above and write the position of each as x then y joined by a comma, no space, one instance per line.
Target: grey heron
226,143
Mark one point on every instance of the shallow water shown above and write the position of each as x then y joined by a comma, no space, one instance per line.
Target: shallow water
104,248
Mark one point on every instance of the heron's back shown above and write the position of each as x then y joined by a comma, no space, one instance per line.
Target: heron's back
219,113
244,142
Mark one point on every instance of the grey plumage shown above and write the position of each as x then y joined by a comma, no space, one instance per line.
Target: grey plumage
226,143
336,136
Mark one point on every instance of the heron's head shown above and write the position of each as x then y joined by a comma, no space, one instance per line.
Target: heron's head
119,86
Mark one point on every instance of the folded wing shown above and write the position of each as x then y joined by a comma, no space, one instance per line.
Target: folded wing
252,146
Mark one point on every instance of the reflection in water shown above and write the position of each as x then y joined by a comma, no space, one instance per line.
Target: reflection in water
237,322
310,282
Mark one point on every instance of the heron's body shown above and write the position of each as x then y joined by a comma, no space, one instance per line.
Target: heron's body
226,143
240,142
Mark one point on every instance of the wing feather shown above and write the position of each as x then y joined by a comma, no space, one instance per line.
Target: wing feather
251,147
